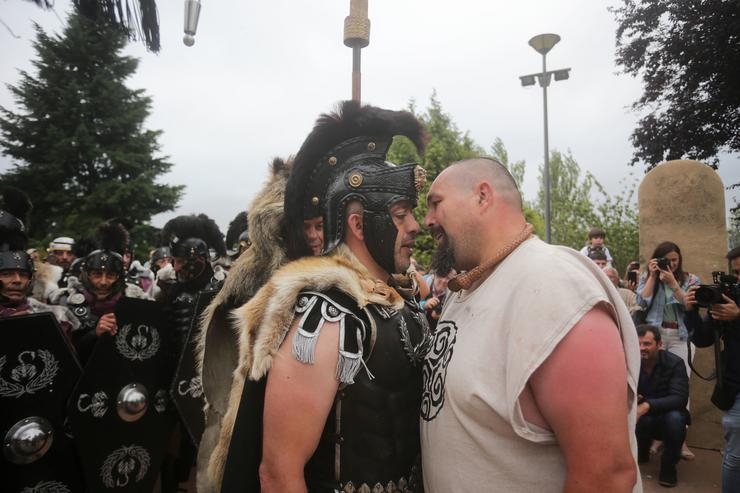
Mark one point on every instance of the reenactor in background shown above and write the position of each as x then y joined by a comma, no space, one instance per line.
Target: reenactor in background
93,297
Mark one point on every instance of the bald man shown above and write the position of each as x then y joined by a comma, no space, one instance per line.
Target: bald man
531,381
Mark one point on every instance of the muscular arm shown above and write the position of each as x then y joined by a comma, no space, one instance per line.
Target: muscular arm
298,399
580,392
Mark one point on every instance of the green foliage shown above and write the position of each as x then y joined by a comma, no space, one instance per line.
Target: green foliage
517,170
576,207
571,209
79,143
446,145
618,216
688,55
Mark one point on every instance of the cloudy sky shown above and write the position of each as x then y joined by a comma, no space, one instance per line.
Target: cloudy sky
261,71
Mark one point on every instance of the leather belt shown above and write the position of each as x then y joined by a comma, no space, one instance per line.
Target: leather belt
670,325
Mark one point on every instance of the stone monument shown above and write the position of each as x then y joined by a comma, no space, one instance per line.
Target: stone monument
684,202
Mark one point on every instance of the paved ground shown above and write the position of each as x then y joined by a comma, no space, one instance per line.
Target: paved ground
701,475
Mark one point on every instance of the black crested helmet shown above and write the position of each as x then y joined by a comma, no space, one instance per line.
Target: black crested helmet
190,238
113,240
13,239
344,159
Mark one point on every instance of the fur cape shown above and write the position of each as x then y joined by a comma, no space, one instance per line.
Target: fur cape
266,319
45,280
217,340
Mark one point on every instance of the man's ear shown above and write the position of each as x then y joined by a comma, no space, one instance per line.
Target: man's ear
354,226
485,194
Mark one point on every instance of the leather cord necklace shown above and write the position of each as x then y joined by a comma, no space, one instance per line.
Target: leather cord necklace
467,279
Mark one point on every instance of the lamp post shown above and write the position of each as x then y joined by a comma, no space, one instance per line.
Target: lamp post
543,43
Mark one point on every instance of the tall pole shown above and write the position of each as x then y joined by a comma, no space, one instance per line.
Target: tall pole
357,36
356,73
545,82
543,43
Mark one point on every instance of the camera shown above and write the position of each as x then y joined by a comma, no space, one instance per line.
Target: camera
711,294
664,264
438,309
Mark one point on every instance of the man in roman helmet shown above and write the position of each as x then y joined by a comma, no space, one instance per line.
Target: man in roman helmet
101,285
17,268
332,346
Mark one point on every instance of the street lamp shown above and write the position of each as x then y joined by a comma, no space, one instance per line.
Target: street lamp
543,43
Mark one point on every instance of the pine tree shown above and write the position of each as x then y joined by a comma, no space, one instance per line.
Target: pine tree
79,144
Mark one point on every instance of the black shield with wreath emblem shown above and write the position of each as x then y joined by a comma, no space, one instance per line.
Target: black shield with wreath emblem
187,388
118,410
38,371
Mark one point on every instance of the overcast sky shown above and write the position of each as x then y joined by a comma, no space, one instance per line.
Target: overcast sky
261,72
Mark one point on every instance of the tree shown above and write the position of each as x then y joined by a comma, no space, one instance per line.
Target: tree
688,54
446,145
577,207
517,170
618,216
79,143
571,209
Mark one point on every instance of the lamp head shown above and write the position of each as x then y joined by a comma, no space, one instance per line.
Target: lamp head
543,43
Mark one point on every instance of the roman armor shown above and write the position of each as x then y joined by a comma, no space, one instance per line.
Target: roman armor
371,440
190,239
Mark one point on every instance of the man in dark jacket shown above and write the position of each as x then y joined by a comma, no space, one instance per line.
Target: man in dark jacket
663,393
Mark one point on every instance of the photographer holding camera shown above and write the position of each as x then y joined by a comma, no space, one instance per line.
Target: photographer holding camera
723,323
661,292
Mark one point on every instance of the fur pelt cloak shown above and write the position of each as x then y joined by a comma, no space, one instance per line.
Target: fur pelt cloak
264,321
216,350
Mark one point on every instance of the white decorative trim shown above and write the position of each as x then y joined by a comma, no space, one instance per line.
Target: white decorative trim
122,463
142,345
97,404
193,387
26,378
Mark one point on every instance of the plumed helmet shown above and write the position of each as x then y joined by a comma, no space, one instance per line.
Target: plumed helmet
13,240
190,238
113,240
344,159
191,235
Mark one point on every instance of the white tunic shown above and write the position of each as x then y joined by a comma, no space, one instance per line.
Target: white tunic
487,345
